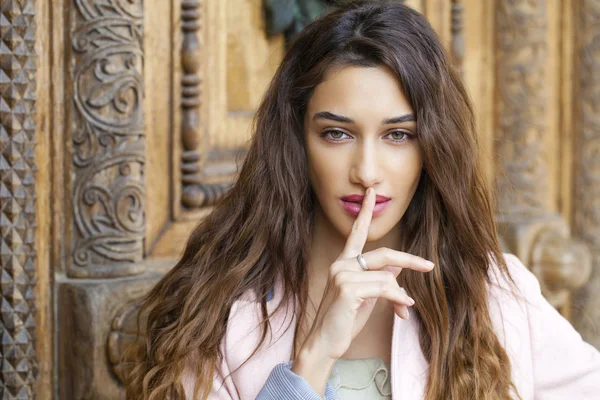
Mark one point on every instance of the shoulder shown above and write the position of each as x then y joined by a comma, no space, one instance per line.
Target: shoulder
240,373
245,325
548,356
246,311
514,285
517,280
244,335
514,295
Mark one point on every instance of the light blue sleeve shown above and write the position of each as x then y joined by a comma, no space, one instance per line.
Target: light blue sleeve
282,383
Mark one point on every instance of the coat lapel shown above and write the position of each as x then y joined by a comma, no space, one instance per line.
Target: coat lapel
409,367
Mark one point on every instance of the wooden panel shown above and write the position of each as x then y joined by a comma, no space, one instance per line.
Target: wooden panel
176,234
44,288
56,25
415,4
236,62
568,126
479,72
438,13
251,61
554,136
159,79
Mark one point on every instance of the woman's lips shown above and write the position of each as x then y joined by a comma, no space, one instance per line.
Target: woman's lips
354,208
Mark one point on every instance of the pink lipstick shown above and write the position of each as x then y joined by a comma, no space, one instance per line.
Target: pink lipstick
353,203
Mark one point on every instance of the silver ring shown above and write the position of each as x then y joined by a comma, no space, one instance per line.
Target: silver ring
362,262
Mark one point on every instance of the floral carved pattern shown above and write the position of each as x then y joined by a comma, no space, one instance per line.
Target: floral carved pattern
107,137
587,217
587,183
19,368
521,57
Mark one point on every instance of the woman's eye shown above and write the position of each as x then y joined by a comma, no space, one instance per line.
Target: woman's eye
335,134
399,136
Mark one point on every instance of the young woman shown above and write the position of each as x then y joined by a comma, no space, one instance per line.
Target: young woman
356,255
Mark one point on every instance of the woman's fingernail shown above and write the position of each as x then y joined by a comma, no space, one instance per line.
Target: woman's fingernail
405,314
430,264
411,301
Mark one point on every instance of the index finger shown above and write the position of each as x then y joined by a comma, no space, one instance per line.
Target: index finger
360,229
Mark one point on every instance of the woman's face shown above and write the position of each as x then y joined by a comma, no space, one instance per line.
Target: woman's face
360,132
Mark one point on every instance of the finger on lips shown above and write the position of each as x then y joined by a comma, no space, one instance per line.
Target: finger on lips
360,229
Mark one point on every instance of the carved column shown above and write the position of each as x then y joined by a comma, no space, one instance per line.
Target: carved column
19,368
196,192
522,53
587,181
107,138
458,41
538,236
105,192
190,103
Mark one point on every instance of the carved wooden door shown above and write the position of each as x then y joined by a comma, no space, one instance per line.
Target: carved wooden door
122,122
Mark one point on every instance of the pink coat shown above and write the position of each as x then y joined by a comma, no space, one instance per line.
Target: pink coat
549,359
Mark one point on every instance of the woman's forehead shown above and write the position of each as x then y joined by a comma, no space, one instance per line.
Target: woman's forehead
360,93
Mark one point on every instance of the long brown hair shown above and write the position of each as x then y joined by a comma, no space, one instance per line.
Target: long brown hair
259,232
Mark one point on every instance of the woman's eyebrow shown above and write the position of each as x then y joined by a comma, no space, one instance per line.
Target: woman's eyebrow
340,118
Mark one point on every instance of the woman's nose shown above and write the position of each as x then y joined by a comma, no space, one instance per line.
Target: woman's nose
365,169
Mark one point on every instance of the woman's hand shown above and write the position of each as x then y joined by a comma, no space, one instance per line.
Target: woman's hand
350,296
351,293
